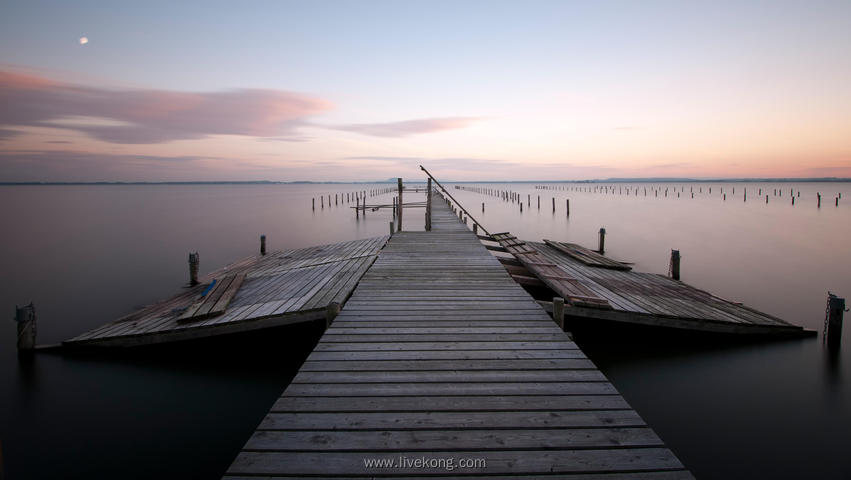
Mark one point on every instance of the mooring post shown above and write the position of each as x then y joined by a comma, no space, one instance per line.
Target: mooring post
357,207
25,318
554,204
313,203
675,264
476,228
399,225
833,322
262,244
819,199
602,248
428,204
391,228
567,206
331,312
558,312
194,260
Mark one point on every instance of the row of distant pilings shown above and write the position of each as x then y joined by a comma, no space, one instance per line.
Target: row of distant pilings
630,190
345,198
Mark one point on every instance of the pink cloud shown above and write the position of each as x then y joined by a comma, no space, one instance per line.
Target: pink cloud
153,116
409,127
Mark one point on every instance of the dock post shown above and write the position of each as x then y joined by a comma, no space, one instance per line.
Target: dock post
602,248
313,203
558,312
483,207
194,260
554,204
26,320
833,321
399,225
567,206
391,228
818,205
476,228
428,204
331,312
357,207
675,264
262,244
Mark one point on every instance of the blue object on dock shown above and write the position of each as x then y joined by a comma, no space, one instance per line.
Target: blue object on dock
209,287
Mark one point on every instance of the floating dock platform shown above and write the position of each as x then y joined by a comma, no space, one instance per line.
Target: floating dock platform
264,291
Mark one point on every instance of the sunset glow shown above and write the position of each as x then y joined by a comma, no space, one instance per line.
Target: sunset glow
478,90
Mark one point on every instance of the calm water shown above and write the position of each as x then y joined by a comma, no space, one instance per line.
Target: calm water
88,254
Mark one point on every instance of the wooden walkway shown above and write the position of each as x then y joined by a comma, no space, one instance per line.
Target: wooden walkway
281,288
440,360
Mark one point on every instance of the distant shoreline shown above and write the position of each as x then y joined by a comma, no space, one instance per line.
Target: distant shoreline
607,180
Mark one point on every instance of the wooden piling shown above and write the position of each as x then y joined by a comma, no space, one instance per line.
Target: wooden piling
558,312
476,228
554,204
483,207
675,264
313,203
391,228
399,225
262,244
818,195
567,206
194,261
428,205
602,248
833,322
26,320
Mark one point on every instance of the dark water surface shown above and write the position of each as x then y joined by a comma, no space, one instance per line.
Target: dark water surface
89,254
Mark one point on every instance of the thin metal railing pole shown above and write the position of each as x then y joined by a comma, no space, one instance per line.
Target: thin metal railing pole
456,201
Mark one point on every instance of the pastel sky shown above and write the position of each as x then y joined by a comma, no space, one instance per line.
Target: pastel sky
366,90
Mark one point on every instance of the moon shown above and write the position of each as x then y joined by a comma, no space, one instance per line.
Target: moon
84,40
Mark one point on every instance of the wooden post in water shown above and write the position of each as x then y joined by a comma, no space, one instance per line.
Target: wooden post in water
558,312
483,207
194,260
391,228
331,312
476,228
554,204
399,225
602,248
262,244
313,203
357,207
26,320
675,264
539,202
567,206
428,205
833,322
819,200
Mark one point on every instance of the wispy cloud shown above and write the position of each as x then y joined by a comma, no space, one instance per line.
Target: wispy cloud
152,116
6,133
455,163
409,127
67,165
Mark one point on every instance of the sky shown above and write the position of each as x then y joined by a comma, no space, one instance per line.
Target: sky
369,90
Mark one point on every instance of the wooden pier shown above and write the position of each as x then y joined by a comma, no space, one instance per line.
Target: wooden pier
282,288
441,365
